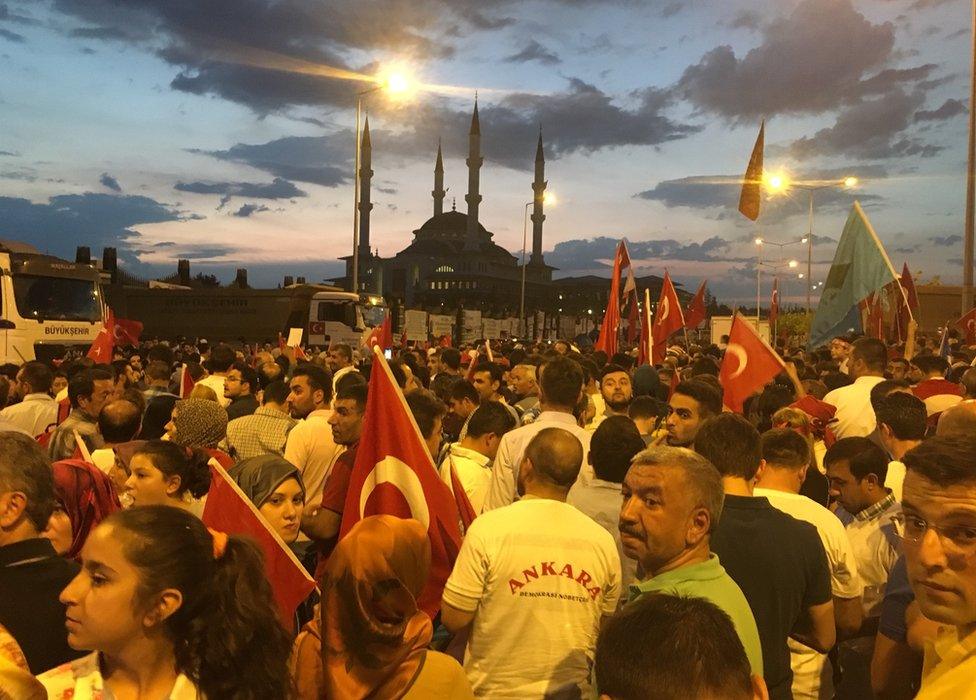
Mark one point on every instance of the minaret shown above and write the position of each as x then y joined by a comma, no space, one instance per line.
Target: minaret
539,192
365,206
473,198
439,191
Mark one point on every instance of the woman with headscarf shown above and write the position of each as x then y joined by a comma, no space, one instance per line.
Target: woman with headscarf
201,424
85,497
275,487
375,637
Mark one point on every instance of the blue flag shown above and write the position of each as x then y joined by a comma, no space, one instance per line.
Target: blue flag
860,267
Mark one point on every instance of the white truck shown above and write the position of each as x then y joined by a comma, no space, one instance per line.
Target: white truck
47,305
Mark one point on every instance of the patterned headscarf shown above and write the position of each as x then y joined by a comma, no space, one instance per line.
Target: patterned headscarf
199,423
87,497
374,636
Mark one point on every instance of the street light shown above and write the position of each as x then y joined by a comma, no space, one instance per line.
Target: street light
782,185
760,242
397,84
547,199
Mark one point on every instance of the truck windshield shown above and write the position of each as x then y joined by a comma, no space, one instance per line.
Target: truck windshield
373,314
56,298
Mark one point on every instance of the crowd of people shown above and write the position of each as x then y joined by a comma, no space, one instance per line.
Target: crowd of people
633,538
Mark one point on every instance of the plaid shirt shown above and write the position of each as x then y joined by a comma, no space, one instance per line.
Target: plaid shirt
872,512
263,432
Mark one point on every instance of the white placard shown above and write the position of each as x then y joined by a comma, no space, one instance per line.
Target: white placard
295,337
491,328
472,327
441,325
415,325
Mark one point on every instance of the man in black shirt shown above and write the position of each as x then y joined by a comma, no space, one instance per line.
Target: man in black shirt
779,562
32,575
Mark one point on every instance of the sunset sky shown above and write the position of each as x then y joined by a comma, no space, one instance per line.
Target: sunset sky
222,130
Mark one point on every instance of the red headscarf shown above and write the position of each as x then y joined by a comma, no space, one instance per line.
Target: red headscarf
374,636
87,497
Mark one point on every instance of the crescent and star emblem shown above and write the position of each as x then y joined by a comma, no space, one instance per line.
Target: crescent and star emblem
391,470
740,353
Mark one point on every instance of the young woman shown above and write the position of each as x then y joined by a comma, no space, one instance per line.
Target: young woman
275,486
173,611
163,473
86,496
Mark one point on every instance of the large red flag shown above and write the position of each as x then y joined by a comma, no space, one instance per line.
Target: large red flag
668,318
382,335
967,324
748,365
774,305
751,193
607,341
696,310
394,475
229,510
872,315
103,345
630,298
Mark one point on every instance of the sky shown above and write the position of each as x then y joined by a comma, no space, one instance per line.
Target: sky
223,131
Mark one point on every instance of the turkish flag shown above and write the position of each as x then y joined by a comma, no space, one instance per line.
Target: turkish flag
696,310
607,340
229,510
382,335
872,315
907,305
186,382
774,305
749,364
127,331
668,318
967,324
394,475
103,345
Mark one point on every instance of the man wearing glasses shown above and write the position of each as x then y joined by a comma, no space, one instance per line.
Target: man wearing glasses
938,529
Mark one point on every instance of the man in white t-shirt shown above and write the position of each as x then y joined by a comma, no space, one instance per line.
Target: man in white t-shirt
221,358
786,457
471,457
560,390
855,415
534,580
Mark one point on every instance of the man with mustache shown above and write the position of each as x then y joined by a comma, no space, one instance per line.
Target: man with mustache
672,500
938,530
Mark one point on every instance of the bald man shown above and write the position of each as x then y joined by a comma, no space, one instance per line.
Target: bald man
960,420
119,422
554,573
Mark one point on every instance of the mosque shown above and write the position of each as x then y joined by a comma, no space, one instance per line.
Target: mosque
452,261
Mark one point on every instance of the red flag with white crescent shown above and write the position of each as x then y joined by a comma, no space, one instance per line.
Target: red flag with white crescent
229,510
607,340
668,318
907,302
101,348
395,475
696,310
127,331
644,350
749,364
967,324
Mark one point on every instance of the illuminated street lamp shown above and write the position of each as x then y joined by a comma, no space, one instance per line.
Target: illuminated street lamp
396,84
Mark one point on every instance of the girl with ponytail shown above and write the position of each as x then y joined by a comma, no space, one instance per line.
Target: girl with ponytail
173,611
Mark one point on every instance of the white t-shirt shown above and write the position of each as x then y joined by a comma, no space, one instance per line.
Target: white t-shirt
216,382
812,677
473,470
538,574
855,415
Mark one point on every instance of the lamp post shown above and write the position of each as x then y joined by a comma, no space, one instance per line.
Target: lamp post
760,242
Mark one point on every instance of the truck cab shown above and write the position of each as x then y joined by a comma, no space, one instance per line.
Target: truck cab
47,305
342,317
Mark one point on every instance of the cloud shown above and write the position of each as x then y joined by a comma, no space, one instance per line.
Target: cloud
945,240
534,51
591,253
9,153
278,189
95,219
110,182
949,109
304,158
249,209
746,19
809,61
871,129
12,36
102,33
